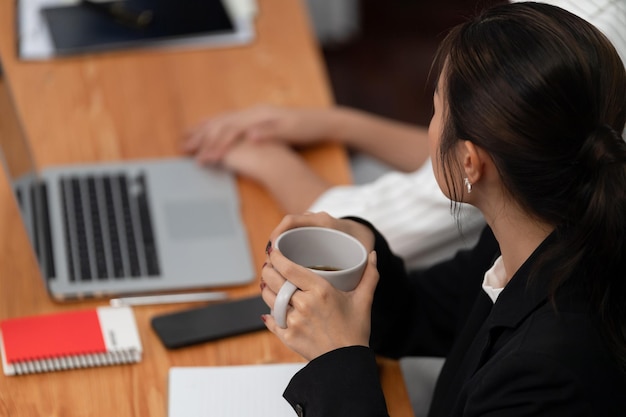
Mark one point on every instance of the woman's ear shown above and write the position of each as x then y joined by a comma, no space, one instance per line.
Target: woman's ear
473,159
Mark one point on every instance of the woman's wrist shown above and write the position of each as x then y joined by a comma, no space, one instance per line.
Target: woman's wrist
343,125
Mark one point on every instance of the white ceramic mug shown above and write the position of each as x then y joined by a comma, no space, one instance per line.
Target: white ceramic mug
335,256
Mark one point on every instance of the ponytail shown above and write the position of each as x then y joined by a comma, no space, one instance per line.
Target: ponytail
597,239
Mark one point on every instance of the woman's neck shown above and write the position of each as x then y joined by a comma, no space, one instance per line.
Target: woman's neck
518,236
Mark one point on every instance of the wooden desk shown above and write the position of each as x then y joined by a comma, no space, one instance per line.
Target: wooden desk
132,104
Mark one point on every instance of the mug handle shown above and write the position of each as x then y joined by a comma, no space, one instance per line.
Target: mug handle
282,303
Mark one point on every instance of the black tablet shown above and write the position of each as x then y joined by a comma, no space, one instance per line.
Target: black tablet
93,26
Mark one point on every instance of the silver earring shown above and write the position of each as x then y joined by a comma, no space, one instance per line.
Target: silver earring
468,184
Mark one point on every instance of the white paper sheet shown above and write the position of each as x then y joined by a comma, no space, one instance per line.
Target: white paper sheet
230,391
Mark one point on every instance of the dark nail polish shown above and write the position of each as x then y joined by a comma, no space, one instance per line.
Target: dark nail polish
262,285
268,247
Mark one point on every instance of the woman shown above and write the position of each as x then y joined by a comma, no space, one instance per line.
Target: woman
529,103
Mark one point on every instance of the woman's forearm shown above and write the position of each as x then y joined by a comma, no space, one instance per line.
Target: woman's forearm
401,145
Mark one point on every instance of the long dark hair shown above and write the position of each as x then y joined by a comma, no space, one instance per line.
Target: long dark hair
544,93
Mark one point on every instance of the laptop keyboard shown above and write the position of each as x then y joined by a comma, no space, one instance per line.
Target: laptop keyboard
41,222
108,227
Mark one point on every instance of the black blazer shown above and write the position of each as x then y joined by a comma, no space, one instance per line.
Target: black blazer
517,357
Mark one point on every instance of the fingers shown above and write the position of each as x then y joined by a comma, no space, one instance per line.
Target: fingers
193,138
211,140
263,131
270,323
281,295
271,283
300,276
369,281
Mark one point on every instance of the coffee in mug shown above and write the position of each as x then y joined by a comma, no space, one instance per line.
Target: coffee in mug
324,268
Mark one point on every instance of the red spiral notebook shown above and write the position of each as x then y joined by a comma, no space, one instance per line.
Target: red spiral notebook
69,340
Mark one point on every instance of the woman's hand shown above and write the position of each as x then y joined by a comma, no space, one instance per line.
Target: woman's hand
320,318
211,139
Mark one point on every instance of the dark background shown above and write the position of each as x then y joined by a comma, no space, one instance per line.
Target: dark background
385,69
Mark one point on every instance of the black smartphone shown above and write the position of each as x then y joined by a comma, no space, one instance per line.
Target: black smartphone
198,325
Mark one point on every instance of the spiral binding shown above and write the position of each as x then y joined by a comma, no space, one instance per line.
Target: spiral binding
77,361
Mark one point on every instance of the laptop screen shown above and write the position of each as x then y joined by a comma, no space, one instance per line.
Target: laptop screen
15,149
17,160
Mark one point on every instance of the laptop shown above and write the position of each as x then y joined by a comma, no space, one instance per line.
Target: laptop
130,227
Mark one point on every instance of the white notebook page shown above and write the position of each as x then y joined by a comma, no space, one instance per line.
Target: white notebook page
230,391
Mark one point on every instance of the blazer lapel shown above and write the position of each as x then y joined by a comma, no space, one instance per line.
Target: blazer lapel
463,359
481,334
